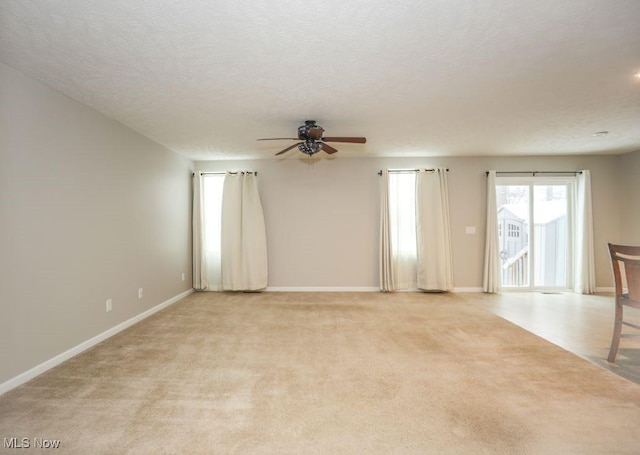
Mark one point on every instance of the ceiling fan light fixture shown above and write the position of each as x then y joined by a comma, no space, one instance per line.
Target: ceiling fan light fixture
310,147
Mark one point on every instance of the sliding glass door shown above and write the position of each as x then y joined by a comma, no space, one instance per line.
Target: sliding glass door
535,241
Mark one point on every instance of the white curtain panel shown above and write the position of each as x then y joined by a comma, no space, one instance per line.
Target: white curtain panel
492,278
433,231
585,279
387,275
199,266
244,242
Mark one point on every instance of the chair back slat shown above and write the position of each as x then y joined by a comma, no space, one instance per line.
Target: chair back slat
626,250
632,272
629,257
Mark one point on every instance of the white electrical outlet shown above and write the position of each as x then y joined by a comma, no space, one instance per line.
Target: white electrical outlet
470,230
109,305
140,293
182,276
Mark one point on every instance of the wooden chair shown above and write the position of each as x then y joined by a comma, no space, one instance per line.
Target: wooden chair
625,262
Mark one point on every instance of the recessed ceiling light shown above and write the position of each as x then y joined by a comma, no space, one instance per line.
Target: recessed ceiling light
637,75
601,133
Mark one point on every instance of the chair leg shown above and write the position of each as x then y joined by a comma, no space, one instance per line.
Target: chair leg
617,330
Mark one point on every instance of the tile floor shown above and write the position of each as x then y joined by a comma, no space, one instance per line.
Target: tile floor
581,324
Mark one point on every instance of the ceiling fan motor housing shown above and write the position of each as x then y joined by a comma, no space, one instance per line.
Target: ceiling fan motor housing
310,131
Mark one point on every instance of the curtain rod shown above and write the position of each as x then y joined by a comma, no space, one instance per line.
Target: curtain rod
397,171
223,173
537,172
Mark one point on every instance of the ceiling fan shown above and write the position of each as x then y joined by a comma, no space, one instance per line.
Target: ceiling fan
312,140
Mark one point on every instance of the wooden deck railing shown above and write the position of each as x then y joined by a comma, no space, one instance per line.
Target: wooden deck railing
515,270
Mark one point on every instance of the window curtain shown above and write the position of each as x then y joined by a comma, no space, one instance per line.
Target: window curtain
244,244
433,231
387,275
584,266
492,280
415,238
199,267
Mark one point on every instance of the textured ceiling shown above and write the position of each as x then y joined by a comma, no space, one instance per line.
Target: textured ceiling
417,78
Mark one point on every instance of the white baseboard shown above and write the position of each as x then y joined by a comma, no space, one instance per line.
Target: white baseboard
605,289
322,289
354,289
57,360
464,290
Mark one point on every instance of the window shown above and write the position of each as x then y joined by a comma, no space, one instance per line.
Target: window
537,246
212,186
402,211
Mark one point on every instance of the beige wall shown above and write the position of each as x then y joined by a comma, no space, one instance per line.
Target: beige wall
89,210
630,198
322,220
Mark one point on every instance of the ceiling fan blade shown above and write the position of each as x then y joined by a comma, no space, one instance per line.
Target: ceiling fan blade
288,148
279,139
327,148
355,140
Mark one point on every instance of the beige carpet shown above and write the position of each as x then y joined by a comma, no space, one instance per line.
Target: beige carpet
332,373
